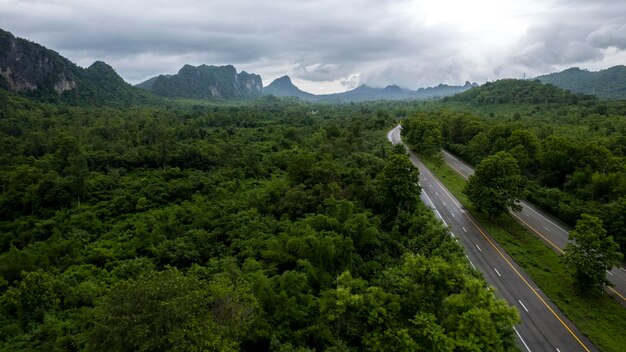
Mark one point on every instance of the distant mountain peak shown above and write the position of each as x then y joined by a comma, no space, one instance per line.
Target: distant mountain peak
392,88
283,79
284,87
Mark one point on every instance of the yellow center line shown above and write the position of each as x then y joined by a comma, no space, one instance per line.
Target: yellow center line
443,188
454,200
526,282
537,232
458,171
617,293
532,229
511,265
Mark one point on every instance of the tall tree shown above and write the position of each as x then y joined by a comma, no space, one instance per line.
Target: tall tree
424,134
591,253
496,185
398,185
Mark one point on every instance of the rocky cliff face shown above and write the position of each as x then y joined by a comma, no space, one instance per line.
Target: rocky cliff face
206,82
27,66
31,69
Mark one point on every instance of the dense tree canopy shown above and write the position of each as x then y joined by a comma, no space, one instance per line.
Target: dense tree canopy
424,134
238,226
398,185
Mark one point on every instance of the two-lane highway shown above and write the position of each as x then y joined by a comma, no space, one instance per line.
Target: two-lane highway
549,230
543,326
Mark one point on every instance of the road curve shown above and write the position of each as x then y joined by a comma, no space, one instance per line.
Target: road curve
550,230
543,326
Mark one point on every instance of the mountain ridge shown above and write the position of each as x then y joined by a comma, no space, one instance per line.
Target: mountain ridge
517,91
609,83
33,70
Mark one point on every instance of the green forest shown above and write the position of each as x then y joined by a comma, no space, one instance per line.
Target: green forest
270,224
570,148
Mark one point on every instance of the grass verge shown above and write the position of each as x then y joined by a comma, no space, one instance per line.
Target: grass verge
597,316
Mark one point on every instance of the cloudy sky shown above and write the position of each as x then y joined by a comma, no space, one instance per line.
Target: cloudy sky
331,45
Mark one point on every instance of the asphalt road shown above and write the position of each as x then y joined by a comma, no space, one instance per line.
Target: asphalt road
550,230
543,326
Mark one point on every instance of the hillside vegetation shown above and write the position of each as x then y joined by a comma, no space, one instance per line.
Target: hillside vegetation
514,91
605,84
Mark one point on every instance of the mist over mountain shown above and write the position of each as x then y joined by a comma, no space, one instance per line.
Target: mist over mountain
605,84
284,87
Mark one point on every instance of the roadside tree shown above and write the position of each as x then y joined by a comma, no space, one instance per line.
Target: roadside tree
496,186
591,253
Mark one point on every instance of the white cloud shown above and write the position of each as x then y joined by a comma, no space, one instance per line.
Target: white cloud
328,45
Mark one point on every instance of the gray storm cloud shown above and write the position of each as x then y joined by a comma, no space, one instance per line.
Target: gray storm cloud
325,42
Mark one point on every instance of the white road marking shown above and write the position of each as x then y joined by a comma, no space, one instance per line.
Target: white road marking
453,215
524,342
543,217
444,203
463,228
437,194
497,272
524,203
547,228
558,350
478,248
622,269
472,265
523,306
452,235
440,217
609,272
429,200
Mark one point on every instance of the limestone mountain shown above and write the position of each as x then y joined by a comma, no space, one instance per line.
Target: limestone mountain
205,81
27,67
31,69
605,84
